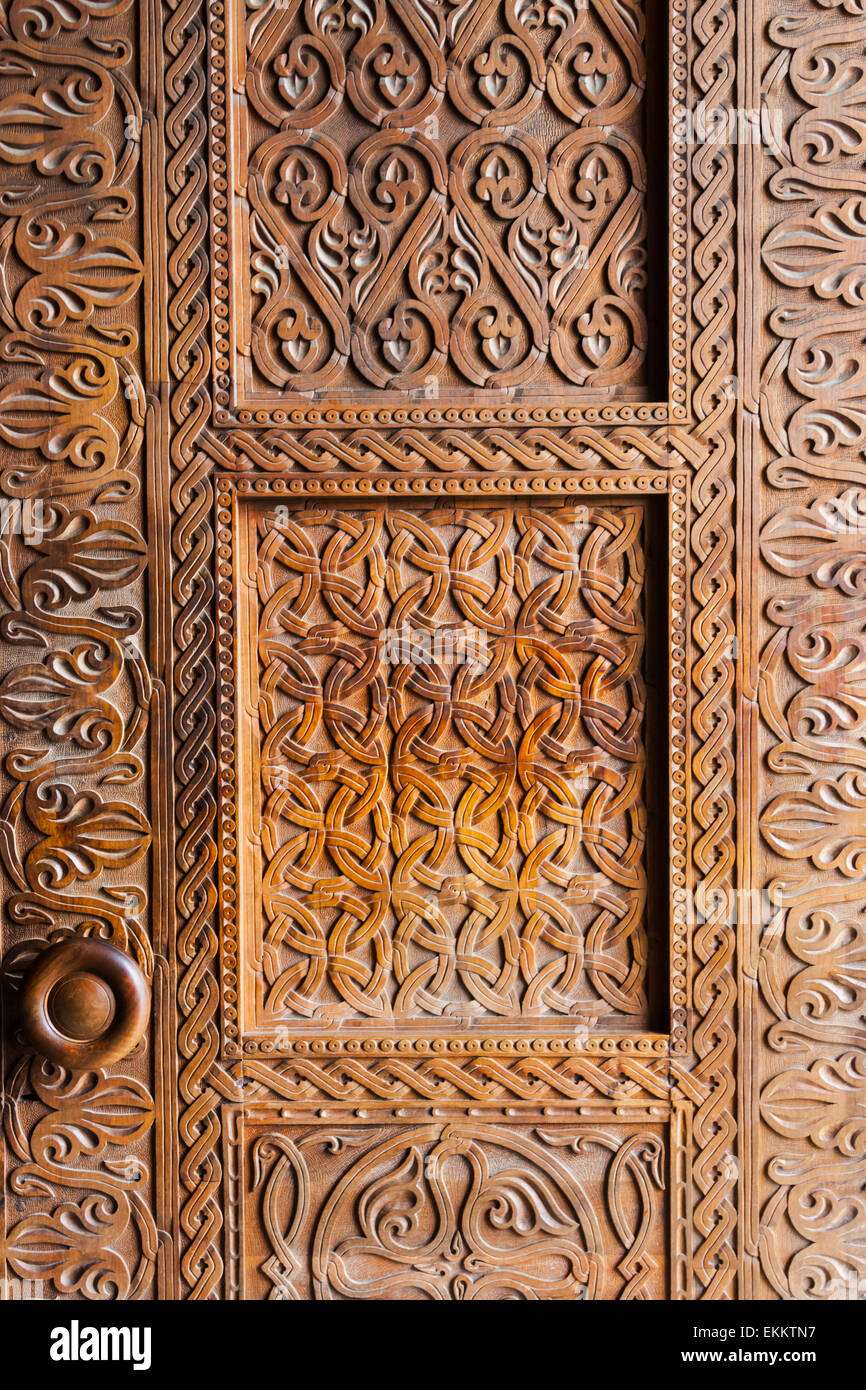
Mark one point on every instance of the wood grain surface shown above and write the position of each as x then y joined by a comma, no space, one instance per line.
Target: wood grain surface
432,468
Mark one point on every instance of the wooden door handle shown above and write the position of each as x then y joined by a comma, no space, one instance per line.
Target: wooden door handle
84,1003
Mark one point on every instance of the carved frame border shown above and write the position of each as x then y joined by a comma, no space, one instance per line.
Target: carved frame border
231,491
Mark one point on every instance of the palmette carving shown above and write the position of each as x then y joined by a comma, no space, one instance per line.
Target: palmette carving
103,1245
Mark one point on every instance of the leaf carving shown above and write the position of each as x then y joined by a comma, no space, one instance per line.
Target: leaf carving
58,696
826,541
827,823
82,556
83,835
826,1104
89,1111
825,252
75,1246
54,128
80,272
61,413
45,19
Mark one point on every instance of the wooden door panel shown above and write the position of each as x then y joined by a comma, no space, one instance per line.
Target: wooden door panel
430,627
437,199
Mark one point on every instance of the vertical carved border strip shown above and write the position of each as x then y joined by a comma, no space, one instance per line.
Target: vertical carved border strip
200,1172
809,1169
681,1214
713,76
80,433
748,435
162,809
234,1188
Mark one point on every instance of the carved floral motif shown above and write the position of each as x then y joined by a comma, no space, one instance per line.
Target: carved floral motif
458,1212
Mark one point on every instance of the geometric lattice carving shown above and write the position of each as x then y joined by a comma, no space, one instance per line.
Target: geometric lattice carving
451,710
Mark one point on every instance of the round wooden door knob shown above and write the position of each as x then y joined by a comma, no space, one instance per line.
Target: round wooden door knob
84,1003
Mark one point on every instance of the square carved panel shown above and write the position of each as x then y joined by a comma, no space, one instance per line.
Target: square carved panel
433,202
444,717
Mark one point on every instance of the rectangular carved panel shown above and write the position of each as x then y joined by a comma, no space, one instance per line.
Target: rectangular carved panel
454,1211
443,762
439,199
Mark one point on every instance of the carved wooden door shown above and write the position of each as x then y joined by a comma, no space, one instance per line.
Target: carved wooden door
432,634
